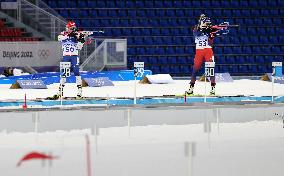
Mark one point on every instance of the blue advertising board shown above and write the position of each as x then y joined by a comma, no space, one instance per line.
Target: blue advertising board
98,82
31,84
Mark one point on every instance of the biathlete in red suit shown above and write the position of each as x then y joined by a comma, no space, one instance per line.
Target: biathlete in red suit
204,35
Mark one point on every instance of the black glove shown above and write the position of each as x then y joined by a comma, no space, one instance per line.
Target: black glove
81,38
72,34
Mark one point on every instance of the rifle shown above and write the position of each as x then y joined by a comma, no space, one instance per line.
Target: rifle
223,28
224,25
87,33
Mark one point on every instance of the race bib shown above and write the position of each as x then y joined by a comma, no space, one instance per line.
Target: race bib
202,42
69,49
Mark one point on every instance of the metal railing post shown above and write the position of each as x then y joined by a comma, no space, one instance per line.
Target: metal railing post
19,11
36,11
105,52
96,45
52,28
125,53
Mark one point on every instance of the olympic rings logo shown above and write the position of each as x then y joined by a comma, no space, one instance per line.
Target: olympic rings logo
44,54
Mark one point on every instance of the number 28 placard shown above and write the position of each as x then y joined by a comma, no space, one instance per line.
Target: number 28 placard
65,71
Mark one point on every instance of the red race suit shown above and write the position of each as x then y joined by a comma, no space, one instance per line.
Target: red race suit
204,52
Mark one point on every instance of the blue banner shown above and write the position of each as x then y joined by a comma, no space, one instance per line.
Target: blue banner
31,84
223,77
277,79
98,82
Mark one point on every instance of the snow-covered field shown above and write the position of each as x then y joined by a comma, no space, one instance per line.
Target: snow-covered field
244,140
250,148
126,89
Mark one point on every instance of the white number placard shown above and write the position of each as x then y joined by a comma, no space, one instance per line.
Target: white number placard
276,64
65,70
138,69
209,69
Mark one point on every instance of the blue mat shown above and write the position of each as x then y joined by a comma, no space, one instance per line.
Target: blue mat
145,101
54,77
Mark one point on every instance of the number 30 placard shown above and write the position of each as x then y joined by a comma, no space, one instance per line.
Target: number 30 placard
209,69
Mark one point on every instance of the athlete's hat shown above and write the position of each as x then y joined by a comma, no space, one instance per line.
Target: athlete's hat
71,25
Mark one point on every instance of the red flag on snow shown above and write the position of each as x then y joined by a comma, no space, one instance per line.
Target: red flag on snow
35,155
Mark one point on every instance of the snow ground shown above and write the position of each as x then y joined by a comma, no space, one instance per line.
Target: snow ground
251,148
156,145
126,89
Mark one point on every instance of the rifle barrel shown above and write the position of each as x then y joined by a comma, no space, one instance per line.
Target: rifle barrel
233,25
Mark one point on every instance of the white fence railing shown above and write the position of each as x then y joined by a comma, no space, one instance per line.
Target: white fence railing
41,18
109,53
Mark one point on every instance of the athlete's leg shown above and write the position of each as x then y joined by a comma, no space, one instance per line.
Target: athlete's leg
209,57
62,80
61,86
198,60
75,67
